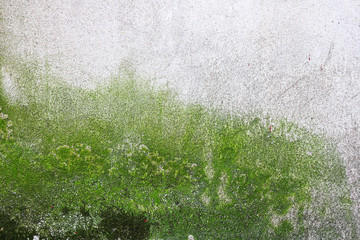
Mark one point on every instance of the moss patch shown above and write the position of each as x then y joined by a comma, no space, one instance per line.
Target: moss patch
76,159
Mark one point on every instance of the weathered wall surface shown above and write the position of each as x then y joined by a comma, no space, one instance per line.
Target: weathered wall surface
290,58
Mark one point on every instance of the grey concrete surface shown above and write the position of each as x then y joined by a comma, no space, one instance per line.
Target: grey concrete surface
289,58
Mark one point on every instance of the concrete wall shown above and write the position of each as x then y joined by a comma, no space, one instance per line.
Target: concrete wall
298,59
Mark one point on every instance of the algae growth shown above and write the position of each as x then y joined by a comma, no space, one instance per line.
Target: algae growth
130,161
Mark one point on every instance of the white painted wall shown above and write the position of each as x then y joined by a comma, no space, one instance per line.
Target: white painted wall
242,55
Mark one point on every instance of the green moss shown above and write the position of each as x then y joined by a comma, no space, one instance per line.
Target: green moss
74,154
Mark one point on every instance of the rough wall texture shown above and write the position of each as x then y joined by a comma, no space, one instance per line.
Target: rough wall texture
290,58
